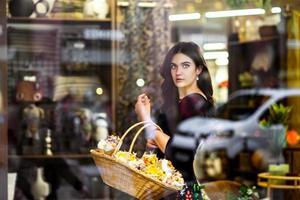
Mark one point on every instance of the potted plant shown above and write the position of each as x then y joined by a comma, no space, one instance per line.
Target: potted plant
278,114
276,125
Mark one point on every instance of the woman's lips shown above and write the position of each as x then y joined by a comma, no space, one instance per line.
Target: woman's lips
179,79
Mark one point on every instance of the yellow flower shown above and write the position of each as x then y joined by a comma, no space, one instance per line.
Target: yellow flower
154,171
150,159
125,155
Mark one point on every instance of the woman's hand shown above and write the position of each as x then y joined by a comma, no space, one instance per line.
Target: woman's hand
151,143
155,138
143,108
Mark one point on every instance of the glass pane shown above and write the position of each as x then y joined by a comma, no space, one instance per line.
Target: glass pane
241,107
75,70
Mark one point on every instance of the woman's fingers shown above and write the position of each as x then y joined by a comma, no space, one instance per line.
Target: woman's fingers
143,107
151,144
143,98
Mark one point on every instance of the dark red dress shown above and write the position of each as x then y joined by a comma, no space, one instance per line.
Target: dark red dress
182,158
194,105
190,106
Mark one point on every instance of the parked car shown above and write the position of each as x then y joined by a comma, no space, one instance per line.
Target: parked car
236,125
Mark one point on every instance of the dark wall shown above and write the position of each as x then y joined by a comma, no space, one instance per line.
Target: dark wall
3,135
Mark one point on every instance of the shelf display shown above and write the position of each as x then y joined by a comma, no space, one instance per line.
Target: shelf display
60,72
43,71
254,64
61,9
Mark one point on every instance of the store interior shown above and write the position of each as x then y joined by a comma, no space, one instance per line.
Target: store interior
71,72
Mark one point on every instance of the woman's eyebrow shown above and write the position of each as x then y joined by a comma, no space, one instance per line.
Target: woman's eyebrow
184,62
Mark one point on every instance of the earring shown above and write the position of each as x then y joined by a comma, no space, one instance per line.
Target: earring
197,78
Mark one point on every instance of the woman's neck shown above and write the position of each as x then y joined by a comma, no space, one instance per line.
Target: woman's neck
183,92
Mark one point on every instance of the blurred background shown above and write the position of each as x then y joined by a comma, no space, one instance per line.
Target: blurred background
71,72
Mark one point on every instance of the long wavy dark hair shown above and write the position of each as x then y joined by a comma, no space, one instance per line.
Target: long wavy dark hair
170,91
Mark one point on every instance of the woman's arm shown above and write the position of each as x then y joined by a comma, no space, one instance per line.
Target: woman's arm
161,139
155,137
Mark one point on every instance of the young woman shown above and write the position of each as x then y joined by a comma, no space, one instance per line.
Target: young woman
187,92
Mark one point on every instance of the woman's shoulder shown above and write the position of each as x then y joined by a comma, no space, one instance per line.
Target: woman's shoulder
193,98
195,104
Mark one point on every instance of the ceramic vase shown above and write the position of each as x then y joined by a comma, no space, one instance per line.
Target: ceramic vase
40,189
96,9
101,126
21,8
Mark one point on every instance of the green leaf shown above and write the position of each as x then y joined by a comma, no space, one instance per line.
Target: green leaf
278,114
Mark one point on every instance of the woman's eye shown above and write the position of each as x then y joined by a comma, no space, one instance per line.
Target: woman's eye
186,66
173,66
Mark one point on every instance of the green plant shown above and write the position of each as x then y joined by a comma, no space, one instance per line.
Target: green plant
237,3
244,3
247,80
246,193
278,114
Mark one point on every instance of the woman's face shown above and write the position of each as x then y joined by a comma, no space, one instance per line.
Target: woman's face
184,71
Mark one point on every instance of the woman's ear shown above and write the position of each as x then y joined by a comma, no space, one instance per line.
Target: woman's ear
198,70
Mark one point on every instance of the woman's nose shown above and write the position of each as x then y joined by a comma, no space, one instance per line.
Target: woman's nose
178,70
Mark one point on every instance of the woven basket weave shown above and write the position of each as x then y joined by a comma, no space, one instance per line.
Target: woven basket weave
128,179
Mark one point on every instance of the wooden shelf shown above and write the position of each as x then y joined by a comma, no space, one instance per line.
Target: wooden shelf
279,182
233,43
294,148
49,157
26,20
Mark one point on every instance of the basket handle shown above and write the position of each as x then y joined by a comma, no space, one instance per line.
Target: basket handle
146,124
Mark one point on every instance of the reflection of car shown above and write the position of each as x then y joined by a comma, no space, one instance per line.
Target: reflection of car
236,122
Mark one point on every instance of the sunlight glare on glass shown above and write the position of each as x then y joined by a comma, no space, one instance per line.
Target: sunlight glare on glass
214,46
99,91
222,61
140,82
215,55
186,16
232,13
276,10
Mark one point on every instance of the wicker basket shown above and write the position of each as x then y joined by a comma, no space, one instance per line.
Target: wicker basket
128,179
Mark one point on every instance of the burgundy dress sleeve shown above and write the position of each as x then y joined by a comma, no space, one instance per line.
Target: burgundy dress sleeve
194,105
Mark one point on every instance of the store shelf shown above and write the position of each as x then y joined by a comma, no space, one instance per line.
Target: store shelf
268,39
49,157
22,20
278,182
63,46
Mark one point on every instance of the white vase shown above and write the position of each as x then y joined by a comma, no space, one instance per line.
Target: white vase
101,126
40,188
96,9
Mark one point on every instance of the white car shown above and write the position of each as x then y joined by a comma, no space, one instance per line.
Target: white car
236,124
